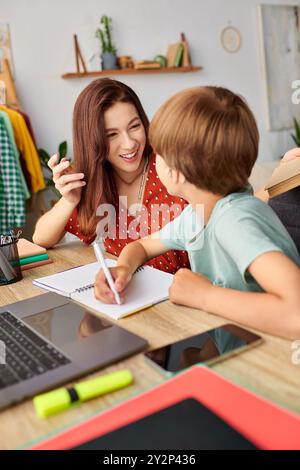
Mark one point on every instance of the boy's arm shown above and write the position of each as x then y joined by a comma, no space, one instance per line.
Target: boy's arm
139,252
275,311
133,256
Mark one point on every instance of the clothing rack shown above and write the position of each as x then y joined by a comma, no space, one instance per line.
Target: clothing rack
18,151
10,90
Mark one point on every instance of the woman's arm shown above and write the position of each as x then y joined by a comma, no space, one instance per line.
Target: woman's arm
275,311
290,155
50,227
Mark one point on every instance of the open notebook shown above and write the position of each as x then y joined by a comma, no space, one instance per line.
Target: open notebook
148,287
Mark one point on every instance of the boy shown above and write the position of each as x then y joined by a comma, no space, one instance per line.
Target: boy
245,263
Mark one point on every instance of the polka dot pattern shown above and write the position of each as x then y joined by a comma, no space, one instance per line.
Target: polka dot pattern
154,194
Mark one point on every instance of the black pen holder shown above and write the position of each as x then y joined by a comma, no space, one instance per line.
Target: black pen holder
10,269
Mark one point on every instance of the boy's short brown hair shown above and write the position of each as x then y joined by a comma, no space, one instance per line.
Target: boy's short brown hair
210,135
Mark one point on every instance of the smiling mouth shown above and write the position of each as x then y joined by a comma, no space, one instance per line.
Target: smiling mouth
130,157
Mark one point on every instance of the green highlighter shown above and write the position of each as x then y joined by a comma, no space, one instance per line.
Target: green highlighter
61,399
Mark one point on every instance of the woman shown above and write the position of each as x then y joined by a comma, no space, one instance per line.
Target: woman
287,205
114,169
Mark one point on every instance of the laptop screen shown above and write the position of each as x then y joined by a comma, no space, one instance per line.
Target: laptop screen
68,323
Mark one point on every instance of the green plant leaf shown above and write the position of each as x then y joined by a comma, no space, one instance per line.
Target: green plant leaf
297,128
44,156
297,141
62,149
100,36
105,36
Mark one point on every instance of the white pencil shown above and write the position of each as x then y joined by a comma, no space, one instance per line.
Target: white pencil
101,259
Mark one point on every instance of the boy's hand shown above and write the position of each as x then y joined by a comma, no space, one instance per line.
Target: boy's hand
102,291
291,155
189,288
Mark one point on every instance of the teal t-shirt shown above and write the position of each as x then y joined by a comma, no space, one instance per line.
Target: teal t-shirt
241,228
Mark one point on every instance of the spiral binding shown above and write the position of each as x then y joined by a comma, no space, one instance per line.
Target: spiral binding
84,288
90,286
141,268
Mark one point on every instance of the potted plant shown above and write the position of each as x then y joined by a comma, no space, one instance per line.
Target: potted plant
109,58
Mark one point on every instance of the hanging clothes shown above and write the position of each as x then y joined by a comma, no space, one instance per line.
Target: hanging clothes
12,200
22,161
29,126
16,152
27,148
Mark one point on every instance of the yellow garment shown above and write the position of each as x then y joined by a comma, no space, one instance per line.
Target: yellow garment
27,148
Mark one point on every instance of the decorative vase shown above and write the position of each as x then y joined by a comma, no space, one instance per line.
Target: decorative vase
109,61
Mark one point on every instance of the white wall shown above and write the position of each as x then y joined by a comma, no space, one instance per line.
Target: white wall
42,43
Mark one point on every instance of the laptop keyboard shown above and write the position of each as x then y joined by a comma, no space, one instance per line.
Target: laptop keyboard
27,354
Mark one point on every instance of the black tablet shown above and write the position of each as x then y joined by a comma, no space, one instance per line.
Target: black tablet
187,425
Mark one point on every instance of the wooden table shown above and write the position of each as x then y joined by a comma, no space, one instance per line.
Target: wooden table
267,369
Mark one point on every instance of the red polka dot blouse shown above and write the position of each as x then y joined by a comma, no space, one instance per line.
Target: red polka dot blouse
159,208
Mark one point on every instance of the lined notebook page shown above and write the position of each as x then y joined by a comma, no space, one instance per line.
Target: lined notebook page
68,281
147,287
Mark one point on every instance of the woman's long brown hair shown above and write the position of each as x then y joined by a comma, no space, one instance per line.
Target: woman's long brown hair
91,147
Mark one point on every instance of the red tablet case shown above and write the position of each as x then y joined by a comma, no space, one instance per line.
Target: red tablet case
265,424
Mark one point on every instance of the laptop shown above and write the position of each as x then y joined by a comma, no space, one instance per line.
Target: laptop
49,339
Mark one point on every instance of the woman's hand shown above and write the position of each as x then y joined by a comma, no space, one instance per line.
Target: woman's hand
291,155
121,275
68,183
189,288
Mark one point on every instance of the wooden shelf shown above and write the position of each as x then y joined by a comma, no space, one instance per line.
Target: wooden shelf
99,73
